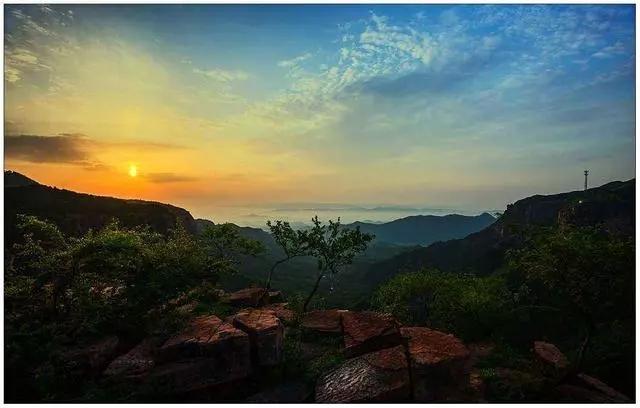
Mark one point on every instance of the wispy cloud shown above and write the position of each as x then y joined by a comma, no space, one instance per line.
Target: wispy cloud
169,178
221,75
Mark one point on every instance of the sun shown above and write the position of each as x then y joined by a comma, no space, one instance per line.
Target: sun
133,170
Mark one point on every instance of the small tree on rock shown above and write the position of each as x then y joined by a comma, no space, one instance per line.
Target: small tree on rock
294,243
334,247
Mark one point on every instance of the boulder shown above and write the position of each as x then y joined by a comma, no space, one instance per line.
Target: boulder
365,332
381,376
135,363
438,362
193,375
553,361
92,360
266,334
246,297
281,311
207,352
323,321
275,296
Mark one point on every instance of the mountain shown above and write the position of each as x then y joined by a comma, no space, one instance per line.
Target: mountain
611,206
425,229
76,213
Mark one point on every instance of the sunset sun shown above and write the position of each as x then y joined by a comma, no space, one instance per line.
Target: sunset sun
133,170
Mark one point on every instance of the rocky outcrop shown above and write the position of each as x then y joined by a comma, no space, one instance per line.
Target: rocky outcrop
246,297
135,363
254,297
281,311
552,361
323,321
91,360
438,362
381,376
206,353
368,331
266,334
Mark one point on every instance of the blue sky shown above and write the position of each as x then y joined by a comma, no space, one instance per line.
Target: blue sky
469,106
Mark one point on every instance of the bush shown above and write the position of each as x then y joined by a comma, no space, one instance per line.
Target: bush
471,307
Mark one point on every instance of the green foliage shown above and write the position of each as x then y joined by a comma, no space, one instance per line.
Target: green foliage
471,307
62,291
334,247
588,270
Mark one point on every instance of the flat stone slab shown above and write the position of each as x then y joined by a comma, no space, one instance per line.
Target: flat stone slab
365,332
381,376
438,362
323,321
266,334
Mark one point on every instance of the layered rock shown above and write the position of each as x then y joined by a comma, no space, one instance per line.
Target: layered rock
381,376
207,352
323,321
368,331
281,311
246,297
438,362
266,334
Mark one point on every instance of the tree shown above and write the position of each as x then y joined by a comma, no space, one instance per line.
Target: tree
294,243
333,247
584,271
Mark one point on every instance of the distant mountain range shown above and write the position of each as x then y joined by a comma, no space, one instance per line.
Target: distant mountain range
457,243
612,206
425,229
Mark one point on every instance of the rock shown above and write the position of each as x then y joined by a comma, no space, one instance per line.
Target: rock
246,297
93,359
323,321
438,362
597,385
381,376
553,360
365,332
135,363
196,375
266,334
281,311
208,352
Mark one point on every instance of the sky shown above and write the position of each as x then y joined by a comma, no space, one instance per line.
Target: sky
212,107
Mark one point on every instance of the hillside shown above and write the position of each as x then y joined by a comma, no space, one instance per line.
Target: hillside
75,213
611,205
425,229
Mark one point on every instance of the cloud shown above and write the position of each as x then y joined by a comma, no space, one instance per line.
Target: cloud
294,61
221,75
610,51
70,148
169,178
64,148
